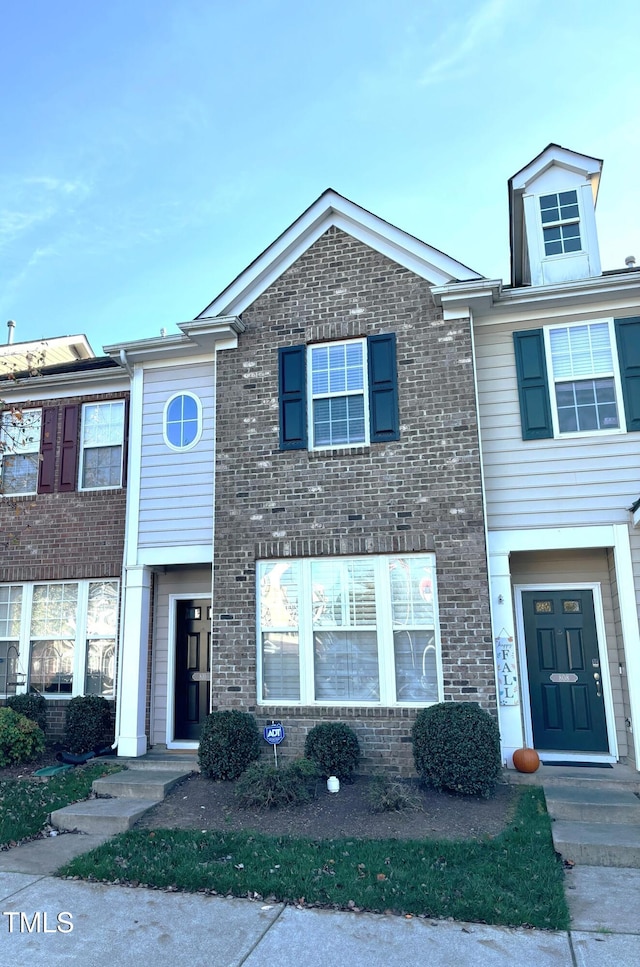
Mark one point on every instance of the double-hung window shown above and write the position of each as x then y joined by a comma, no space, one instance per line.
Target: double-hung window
20,448
560,216
580,378
338,394
59,638
584,377
343,631
101,445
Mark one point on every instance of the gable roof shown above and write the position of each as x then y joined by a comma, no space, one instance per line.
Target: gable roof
334,210
554,154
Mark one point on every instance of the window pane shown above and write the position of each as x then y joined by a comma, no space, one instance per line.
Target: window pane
102,608
10,610
53,611
9,656
338,421
102,467
279,591
51,666
569,197
586,405
19,473
416,666
411,592
102,424
100,667
346,666
182,423
343,593
21,431
280,667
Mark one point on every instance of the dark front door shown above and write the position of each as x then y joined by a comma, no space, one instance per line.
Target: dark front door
193,679
565,677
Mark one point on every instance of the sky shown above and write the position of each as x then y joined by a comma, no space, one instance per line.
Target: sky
152,149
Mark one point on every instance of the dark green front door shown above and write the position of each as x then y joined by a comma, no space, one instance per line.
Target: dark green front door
565,677
193,678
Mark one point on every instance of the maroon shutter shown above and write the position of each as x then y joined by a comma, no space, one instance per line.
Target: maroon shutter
48,441
69,451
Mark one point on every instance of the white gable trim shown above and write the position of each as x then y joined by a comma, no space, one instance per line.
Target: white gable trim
330,210
582,164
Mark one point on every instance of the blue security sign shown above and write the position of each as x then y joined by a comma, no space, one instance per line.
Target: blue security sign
274,733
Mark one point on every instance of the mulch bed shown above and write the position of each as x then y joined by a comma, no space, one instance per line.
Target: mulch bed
200,803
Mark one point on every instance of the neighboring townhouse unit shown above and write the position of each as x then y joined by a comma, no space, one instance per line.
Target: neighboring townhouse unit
62,520
558,373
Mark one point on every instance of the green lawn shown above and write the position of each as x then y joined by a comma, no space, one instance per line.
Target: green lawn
514,878
25,804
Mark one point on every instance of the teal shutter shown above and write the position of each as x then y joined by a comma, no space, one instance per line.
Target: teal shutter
383,388
533,387
292,397
628,340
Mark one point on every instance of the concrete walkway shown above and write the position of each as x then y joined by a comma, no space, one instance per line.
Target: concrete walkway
115,925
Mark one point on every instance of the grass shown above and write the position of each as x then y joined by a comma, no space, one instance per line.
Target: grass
513,879
25,804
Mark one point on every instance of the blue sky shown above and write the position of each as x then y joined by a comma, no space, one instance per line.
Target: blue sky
152,149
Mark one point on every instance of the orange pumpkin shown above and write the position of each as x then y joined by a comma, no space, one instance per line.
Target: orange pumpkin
526,760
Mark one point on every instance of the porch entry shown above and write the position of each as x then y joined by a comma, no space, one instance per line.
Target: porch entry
565,677
193,675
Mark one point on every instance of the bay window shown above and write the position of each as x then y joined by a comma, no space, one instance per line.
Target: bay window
343,631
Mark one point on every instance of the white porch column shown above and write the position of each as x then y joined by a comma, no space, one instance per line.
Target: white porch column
507,684
630,628
132,695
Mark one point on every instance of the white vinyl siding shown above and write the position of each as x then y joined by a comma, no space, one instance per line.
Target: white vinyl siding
176,487
574,480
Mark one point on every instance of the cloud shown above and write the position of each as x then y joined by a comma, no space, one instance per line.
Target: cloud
463,39
59,185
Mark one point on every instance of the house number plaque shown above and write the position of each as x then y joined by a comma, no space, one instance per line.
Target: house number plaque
557,677
200,676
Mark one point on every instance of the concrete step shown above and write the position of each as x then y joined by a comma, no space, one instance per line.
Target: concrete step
101,816
151,784
592,804
168,761
598,844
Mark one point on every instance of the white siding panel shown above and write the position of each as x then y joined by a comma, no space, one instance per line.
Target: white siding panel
589,479
176,488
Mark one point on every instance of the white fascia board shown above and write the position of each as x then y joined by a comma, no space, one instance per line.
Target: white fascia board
621,290
461,297
636,517
328,211
551,539
197,335
584,165
60,385
189,554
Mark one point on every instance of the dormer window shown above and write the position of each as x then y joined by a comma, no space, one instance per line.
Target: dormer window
560,222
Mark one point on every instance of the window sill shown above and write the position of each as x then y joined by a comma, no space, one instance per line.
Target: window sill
336,452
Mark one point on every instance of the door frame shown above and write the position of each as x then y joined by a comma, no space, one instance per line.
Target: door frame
173,743
525,694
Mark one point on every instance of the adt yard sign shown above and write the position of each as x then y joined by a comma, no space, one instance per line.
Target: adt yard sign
274,733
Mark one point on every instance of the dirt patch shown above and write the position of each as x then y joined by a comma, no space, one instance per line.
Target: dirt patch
199,803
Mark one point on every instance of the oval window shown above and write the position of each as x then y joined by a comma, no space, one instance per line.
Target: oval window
182,421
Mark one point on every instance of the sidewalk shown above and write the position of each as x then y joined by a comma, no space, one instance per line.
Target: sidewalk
115,925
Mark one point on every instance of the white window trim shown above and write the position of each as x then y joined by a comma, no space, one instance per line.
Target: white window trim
198,435
364,393
22,449
384,627
80,641
83,447
580,221
614,431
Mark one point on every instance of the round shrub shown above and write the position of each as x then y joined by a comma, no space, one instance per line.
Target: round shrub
33,706
229,742
88,724
456,746
21,740
334,748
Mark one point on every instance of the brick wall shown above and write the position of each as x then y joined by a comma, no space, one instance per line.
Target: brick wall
420,493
